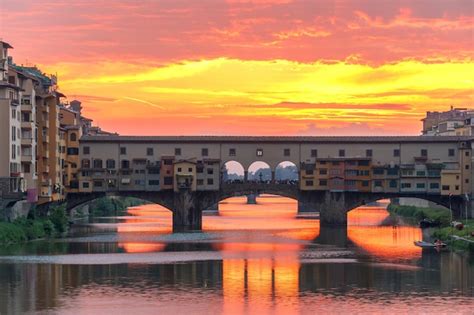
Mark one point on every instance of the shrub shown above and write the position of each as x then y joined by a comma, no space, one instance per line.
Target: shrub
59,218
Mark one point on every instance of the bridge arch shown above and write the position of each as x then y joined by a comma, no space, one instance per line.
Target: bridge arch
287,171
260,171
232,171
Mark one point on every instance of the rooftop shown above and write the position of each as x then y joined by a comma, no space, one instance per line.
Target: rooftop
272,139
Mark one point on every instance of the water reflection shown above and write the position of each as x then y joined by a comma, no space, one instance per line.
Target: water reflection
250,258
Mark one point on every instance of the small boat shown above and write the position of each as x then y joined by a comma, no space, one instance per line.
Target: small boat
423,244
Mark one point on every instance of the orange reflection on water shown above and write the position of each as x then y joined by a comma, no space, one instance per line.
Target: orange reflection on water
382,241
141,247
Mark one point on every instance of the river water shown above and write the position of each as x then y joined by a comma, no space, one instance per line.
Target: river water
257,259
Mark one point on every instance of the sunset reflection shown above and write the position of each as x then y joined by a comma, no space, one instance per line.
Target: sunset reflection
382,241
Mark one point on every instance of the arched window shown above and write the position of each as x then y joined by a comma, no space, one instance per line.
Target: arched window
97,163
110,164
73,137
86,163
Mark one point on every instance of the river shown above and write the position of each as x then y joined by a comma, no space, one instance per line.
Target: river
257,259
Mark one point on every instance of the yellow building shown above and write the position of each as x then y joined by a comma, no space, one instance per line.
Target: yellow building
185,175
451,182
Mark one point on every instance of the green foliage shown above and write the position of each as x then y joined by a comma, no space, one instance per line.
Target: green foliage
445,233
11,233
439,215
59,218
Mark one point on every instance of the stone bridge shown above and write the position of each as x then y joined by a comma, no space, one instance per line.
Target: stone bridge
187,206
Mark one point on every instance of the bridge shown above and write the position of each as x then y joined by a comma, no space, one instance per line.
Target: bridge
335,174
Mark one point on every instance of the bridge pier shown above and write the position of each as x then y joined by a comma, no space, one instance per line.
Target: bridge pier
187,215
333,235
333,210
252,199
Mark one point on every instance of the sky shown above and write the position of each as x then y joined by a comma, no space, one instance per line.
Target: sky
251,67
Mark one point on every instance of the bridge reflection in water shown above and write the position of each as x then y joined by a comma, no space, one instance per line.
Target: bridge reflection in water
278,265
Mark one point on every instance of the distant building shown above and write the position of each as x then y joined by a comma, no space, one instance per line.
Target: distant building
455,122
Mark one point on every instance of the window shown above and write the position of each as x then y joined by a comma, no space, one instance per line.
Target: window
179,169
392,171
314,153
434,186
323,182
177,151
396,152
97,183
154,171
85,163
168,180
286,152
378,183
110,164
73,137
259,152
393,184
73,165
149,151
123,150
26,168
466,166
14,113
232,152
445,187
200,182
424,152
451,152
309,172
190,169
342,152
125,164
364,163
86,150
365,183
199,169
350,183
456,187
466,180
368,152
420,185
323,171
13,133
210,181
420,173
204,151
97,163
112,183
309,183
85,185
378,171
406,185
72,151
466,153
210,171
167,161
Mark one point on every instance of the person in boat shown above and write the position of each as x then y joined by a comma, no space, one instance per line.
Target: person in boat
438,242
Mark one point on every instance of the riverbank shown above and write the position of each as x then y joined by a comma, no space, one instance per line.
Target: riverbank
31,228
415,214
107,206
441,216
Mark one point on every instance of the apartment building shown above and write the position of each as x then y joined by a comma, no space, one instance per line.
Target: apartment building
454,122
10,122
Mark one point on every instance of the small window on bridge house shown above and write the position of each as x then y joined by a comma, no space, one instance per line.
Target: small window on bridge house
368,153
123,150
149,151
393,183
200,182
342,153
86,150
125,164
259,152
199,169
210,181
97,163
177,151
204,151
424,152
314,153
179,169
85,185
286,152
210,171
232,152
73,137
309,183
323,182
451,152
110,164
85,163
396,152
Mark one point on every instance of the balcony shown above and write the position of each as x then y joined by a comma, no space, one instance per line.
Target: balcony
26,107
15,103
26,157
27,141
26,124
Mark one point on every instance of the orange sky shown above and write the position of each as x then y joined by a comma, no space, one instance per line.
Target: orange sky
293,67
